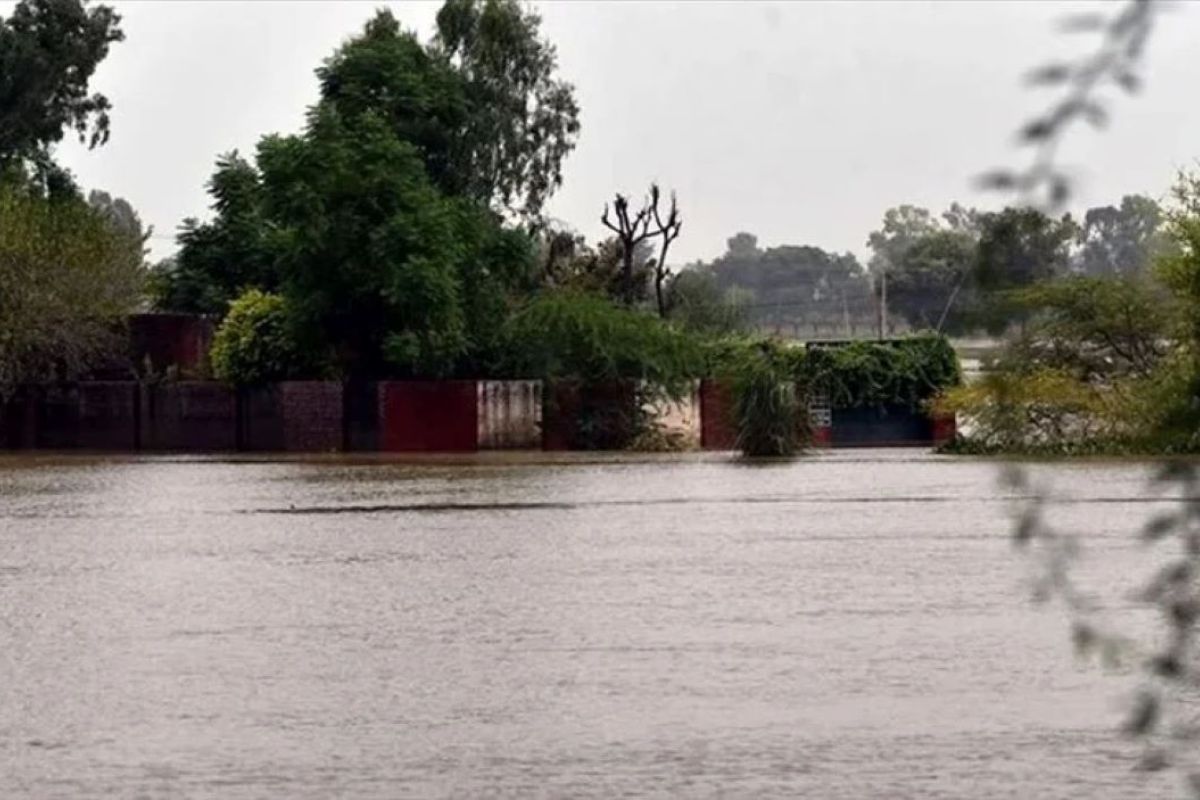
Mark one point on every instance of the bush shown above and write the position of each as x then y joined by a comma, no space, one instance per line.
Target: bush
905,372
254,344
585,337
766,410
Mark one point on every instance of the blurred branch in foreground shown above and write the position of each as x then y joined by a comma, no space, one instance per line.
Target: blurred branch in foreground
1162,713
1115,63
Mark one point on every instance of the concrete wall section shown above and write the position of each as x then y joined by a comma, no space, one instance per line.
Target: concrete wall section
679,420
509,415
428,416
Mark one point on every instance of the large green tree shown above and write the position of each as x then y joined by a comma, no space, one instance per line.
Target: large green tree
1122,240
522,119
929,282
49,50
482,102
68,277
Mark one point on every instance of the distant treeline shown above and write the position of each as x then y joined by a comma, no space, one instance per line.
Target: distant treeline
949,271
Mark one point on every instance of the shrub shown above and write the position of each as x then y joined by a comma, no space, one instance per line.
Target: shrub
254,344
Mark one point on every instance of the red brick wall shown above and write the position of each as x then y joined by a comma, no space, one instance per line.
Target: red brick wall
718,429
198,416
428,416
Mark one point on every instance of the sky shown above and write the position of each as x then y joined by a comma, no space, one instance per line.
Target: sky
799,122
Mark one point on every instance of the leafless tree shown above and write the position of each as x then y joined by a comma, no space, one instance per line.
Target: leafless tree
668,231
630,231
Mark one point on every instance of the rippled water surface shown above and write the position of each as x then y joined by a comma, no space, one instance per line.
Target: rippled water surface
846,626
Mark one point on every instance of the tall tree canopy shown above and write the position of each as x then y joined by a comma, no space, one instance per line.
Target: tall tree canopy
523,120
387,261
481,103
1121,240
793,284
928,262
49,50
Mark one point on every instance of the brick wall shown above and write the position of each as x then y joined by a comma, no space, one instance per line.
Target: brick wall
292,416
195,416
108,415
428,416
718,429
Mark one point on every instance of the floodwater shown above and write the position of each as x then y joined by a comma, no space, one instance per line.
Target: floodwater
851,625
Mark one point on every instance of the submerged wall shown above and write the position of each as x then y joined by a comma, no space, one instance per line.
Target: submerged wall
509,415
428,416
292,416
408,416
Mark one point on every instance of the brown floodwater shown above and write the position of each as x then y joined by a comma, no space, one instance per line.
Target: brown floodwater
849,625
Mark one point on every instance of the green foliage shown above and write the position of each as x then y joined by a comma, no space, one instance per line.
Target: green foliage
570,335
68,278
481,103
929,281
219,259
765,406
1094,327
793,284
367,247
695,302
522,120
905,372
1018,247
374,222
255,343
1105,365
49,50
1124,240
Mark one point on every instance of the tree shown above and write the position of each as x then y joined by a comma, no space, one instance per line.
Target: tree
631,232
119,213
1019,247
902,226
1121,240
522,120
68,277
697,303
667,231
1022,246
368,247
794,284
926,281
219,259
49,50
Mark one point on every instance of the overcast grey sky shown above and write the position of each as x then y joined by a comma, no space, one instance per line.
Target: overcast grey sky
800,122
